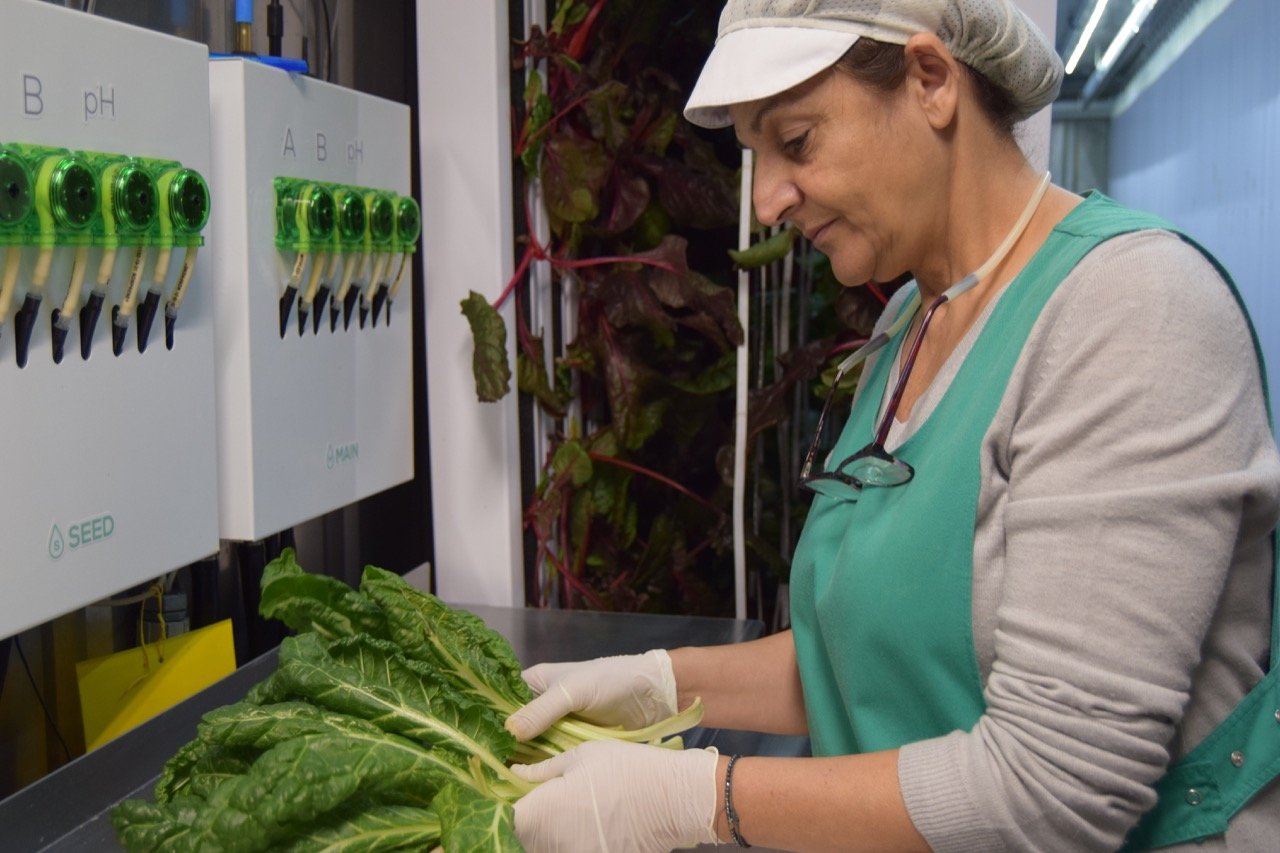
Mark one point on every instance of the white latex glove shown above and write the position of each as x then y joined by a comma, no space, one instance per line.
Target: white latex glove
617,797
632,691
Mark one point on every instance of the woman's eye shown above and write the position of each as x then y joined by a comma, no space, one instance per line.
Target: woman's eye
795,145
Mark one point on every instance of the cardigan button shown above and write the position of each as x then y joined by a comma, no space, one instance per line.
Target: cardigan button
1237,758
1193,797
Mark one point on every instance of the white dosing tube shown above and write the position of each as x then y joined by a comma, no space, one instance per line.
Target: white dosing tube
742,398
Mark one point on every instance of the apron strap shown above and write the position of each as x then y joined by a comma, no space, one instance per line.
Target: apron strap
1200,794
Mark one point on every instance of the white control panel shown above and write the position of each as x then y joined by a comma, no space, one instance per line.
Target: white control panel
108,475
314,369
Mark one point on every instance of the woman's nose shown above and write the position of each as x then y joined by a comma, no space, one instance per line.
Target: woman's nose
772,193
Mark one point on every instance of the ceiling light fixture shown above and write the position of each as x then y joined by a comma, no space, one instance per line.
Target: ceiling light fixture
1137,16
1099,7
1128,30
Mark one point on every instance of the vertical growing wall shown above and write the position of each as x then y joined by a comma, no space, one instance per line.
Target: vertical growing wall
1200,148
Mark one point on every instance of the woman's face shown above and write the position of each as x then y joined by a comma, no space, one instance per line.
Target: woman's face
843,163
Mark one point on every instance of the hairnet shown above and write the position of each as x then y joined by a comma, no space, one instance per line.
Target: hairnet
764,47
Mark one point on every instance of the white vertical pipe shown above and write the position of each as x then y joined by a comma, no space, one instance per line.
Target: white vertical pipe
740,406
464,116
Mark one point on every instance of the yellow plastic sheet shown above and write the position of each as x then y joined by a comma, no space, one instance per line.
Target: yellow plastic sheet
122,690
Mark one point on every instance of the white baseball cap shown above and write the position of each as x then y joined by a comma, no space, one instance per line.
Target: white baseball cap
764,47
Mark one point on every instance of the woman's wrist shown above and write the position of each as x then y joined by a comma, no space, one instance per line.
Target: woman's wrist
721,824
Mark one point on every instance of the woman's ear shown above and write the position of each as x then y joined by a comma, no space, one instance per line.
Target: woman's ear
933,78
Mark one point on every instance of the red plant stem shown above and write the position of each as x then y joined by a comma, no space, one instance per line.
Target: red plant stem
877,292
580,555
521,268
523,336
536,250
565,545
578,43
527,138
612,259
653,475
544,554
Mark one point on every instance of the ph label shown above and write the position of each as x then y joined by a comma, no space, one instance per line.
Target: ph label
81,534
100,103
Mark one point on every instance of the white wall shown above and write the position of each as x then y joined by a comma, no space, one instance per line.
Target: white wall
1201,148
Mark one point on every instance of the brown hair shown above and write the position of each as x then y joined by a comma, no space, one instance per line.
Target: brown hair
883,67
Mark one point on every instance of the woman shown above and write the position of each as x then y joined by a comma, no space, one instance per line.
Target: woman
1039,569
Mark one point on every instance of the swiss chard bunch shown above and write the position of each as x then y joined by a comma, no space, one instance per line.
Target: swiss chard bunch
381,729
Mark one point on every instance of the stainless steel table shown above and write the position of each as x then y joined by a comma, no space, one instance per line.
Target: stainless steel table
69,810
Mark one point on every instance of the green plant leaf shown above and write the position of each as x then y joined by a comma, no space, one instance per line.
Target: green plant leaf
656,138
531,378
141,825
628,301
540,112
470,823
371,680
720,376
627,198
532,88
489,362
369,827
693,198
571,457
475,658
605,109
574,170
771,405
313,602
767,251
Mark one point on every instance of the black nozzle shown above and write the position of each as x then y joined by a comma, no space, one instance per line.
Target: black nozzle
349,307
286,307
24,323
59,333
170,321
379,297
89,322
303,313
119,326
322,299
146,317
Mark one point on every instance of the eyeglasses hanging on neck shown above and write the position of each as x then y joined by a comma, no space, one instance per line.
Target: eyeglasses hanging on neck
874,465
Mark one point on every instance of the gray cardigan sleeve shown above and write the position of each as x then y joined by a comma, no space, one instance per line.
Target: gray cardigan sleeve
1122,560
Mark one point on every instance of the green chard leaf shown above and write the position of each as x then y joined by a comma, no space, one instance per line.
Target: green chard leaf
264,726
531,378
141,825
369,679
310,602
475,658
301,779
369,828
767,251
489,361
287,788
471,823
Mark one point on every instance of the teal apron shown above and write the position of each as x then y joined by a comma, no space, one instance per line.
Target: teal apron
881,588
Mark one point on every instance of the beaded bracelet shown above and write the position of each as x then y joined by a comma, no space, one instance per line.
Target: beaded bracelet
731,815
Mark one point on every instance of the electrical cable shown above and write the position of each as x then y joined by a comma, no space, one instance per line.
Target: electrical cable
328,42
166,580
17,644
